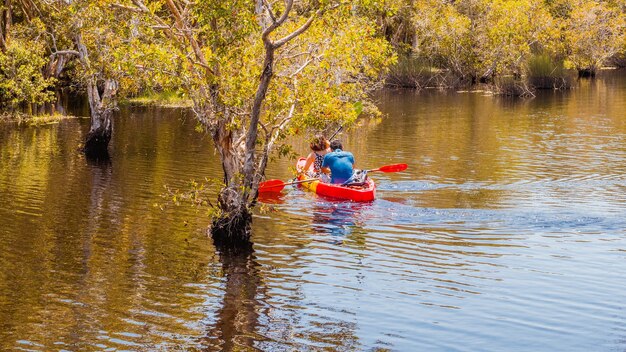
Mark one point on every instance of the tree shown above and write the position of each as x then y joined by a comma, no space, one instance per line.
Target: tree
258,72
85,37
595,32
479,39
445,35
21,60
96,44
57,29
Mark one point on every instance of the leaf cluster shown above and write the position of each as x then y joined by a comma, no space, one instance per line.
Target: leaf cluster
22,80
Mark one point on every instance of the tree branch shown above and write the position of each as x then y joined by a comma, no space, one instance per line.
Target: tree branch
127,8
277,23
285,14
270,11
66,52
305,65
297,32
189,35
270,139
186,32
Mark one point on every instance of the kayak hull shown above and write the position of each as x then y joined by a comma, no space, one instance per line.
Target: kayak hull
366,193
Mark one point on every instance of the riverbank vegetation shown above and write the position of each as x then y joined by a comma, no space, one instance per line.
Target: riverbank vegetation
256,72
537,44
513,46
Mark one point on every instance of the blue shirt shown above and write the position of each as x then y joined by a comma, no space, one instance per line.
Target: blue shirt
340,164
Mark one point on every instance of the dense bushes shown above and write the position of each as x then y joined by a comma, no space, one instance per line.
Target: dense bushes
514,46
544,73
21,75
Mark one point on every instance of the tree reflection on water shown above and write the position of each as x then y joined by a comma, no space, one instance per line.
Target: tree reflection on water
237,319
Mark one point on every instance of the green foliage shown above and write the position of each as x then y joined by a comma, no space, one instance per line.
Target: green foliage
21,75
321,73
325,70
545,72
194,194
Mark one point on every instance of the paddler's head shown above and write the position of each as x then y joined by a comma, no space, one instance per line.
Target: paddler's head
336,144
319,143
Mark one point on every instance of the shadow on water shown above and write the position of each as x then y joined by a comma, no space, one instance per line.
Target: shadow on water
237,320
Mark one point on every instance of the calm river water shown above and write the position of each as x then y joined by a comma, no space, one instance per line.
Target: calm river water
506,233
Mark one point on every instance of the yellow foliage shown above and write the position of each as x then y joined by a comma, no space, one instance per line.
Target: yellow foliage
594,32
21,78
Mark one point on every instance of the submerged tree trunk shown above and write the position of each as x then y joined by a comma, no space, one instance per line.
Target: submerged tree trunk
231,227
101,108
99,135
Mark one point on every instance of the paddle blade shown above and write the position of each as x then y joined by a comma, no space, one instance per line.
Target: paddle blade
392,168
271,186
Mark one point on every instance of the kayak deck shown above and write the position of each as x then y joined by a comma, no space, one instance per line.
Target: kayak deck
364,193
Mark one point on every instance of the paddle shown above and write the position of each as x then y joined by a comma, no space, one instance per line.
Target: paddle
278,185
390,168
334,134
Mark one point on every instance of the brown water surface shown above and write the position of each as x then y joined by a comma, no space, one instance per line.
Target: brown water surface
507,232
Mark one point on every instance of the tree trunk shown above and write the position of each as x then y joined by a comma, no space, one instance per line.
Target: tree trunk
56,65
97,141
5,25
255,115
101,108
231,228
587,72
3,45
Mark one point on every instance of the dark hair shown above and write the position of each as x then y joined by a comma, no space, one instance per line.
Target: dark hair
319,143
336,144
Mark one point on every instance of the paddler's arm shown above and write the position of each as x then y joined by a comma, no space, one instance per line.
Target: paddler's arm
309,160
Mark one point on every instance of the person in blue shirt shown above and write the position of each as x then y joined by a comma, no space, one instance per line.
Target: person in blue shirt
340,164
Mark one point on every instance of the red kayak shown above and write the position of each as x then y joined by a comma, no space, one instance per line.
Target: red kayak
365,193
